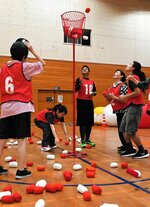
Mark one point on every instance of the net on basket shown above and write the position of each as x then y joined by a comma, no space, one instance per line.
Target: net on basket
73,22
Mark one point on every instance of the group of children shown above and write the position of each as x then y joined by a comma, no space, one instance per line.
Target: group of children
127,102
16,106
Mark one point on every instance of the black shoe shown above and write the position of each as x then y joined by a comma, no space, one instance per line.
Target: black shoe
141,154
128,153
23,173
121,149
3,171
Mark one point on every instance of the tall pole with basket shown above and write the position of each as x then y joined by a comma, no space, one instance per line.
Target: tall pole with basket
73,23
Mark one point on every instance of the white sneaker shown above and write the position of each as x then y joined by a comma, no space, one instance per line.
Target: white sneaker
45,149
54,147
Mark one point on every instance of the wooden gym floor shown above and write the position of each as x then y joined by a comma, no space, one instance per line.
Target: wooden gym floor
118,186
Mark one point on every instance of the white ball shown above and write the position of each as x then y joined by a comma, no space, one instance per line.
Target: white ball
85,37
76,136
65,151
78,149
50,157
78,140
40,203
57,166
15,143
81,188
8,158
4,193
39,142
9,143
13,164
41,183
109,205
139,173
77,167
113,164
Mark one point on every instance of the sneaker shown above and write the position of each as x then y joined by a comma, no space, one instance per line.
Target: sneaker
83,144
23,173
46,149
3,171
128,153
54,147
121,148
141,154
92,144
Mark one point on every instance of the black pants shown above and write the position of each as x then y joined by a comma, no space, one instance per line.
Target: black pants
48,137
119,119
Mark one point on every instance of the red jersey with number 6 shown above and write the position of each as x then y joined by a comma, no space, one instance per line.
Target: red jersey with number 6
85,89
13,84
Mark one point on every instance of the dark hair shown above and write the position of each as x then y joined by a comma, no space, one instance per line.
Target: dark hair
137,70
18,51
85,66
61,108
123,79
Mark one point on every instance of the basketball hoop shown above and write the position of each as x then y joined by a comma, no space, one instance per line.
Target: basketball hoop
73,22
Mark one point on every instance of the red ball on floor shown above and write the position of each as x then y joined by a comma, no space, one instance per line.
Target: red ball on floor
86,196
96,189
17,197
8,199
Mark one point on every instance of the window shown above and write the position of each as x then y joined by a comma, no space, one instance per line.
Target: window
80,41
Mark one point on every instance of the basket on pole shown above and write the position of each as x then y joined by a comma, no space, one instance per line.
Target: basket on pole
73,23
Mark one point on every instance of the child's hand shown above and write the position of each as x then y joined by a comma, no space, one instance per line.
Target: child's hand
57,140
28,45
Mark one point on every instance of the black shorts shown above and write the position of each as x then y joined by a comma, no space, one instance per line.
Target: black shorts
85,113
17,126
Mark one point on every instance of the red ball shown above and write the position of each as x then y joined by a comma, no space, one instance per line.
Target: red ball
88,146
60,139
124,165
31,141
94,164
67,175
29,164
40,168
90,169
52,188
8,199
29,189
59,186
63,156
86,196
96,189
38,190
90,174
17,197
87,10
7,188
66,143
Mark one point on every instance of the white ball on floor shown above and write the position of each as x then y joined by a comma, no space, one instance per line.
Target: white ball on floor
50,157
8,158
4,193
78,149
69,139
41,183
113,164
13,164
57,166
81,188
65,151
40,203
139,173
109,205
15,143
77,167
78,140
39,142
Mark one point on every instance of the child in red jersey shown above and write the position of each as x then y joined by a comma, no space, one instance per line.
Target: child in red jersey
131,119
16,100
86,89
46,120
112,96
